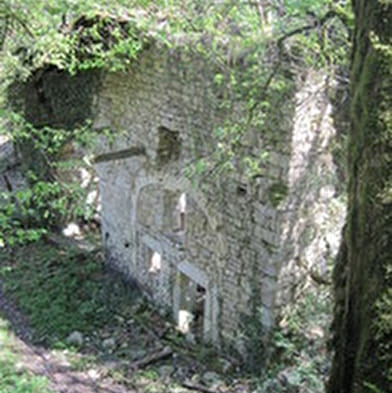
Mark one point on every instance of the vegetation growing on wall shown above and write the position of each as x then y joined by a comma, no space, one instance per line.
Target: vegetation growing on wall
257,49
55,195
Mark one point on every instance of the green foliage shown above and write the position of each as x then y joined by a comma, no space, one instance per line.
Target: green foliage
103,42
98,33
62,290
49,142
383,323
277,192
373,388
247,43
54,194
256,50
12,379
250,342
37,33
298,353
27,214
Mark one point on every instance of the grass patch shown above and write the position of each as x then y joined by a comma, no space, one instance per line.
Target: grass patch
62,290
13,379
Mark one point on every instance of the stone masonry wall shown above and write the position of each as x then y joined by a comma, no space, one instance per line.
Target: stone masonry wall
231,250
238,243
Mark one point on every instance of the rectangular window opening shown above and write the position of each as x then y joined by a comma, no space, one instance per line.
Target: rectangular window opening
181,209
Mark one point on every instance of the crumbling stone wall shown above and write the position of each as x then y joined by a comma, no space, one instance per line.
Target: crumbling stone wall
235,249
239,244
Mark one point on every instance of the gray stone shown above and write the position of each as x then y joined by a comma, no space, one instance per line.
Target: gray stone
75,338
166,371
190,338
138,354
109,343
211,378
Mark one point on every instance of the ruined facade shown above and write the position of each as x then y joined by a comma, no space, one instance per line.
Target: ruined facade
226,248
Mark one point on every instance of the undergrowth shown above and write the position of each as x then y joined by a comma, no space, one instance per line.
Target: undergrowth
65,289
300,360
62,290
12,379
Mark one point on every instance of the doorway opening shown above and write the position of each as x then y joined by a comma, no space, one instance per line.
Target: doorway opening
191,307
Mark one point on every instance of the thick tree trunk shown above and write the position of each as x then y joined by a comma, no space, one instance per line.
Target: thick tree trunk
363,274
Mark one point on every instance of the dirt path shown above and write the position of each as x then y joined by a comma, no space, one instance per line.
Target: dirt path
56,368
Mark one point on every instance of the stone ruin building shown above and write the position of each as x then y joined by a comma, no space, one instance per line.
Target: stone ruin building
227,249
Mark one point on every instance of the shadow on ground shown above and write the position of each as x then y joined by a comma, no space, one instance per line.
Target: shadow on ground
75,327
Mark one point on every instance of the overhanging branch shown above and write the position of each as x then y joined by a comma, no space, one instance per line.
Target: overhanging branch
316,24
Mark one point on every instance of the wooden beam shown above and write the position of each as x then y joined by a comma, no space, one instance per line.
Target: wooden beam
120,154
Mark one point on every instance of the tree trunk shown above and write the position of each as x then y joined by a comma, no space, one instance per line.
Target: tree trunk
363,273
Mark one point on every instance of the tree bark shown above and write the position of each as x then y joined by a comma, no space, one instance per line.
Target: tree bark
363,273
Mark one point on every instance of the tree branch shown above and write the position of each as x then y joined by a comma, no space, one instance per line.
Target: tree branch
10,13
316,24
